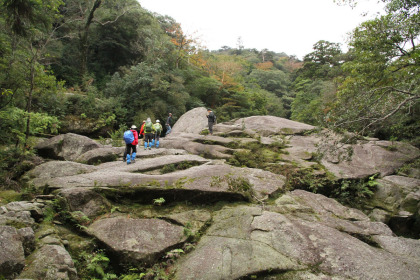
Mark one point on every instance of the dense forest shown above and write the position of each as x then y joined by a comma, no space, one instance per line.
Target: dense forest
95,67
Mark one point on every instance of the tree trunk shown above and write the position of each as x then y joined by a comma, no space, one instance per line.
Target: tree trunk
29,101
83,35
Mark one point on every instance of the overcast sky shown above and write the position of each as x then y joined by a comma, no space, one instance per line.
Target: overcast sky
289,26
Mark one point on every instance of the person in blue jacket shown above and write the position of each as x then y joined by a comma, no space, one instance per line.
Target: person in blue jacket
131,148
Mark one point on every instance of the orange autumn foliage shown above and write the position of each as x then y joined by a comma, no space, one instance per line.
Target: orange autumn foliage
264,65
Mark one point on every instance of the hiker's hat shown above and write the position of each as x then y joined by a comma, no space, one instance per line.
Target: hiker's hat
133,126
157,120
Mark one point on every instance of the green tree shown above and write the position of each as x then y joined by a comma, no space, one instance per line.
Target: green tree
382,85
311,101
324,62
275,81
29,27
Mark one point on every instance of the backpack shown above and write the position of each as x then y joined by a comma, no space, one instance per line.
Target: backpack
158,128
128,137
148,127
212,116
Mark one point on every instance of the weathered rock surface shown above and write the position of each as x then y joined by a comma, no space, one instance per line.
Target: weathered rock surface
52,169
369,157
191,143
397,194
100,155
21,213
373,157
193,220
50,262
137,241
28,239
85,200
396,202
201,180
12,256
245,241
68,146
262,125
193,121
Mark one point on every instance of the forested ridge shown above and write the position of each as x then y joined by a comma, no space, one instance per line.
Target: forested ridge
94,67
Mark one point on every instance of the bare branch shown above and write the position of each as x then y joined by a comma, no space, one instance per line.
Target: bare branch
392,112
111,21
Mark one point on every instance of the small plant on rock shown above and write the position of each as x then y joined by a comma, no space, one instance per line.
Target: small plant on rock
158,201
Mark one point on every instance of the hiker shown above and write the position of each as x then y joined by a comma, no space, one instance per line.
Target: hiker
131,139
148,134
211,120
141,133
158,130
168,124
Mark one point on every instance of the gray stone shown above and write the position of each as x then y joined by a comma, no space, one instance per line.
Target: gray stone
294,242
101,155
137,241
66,146
28,240
193,121
369,158
265,126
401,246
208,179
194,220
33,207
85,200
12,256
188,143
50,262
55,169
397,201
19,219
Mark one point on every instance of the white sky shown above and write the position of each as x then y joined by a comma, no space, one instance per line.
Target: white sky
289,26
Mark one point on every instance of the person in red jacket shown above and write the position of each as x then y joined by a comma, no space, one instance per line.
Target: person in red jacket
141,133
131,149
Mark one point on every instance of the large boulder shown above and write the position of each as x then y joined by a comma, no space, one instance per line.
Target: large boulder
193,121
396,202
204,182
354,161
370,157
303,232
12,256
264,126
50,262
137,241
66,146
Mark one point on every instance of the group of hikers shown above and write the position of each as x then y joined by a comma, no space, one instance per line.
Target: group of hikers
151,134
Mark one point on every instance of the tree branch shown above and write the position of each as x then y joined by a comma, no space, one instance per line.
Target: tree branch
392,112
111,21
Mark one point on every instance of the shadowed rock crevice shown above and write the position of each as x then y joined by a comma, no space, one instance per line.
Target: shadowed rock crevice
169,168
147,195
368,239
266,274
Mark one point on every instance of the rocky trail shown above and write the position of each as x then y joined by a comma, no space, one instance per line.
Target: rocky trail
235,205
